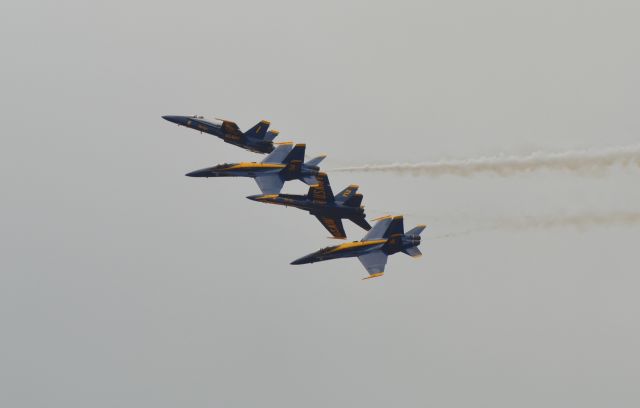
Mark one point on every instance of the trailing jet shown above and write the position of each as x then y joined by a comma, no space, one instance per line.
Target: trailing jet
285,163
257,139
385,238
320,202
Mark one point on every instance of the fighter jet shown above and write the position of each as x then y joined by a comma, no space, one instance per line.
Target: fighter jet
283,164
257,139
320,202
385,238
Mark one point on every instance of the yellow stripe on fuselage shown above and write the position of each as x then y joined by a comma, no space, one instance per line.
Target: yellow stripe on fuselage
247,166
351,245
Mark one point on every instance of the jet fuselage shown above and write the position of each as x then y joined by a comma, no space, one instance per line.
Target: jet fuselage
389,246
239,170
217,128
347,250
314,207
286,172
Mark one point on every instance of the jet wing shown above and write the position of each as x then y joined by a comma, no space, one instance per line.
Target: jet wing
321,192
379,230
333,225
271,184
374,262
278,154
385,227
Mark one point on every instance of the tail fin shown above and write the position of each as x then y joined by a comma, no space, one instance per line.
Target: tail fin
271,135
348,194
259,131
396,227
354,201
315,161
296,154
416,231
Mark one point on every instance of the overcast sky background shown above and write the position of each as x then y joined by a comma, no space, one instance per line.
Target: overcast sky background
125,284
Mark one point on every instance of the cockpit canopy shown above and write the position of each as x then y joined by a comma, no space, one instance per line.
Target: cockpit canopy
222,166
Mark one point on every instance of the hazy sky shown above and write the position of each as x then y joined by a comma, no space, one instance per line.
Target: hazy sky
125,284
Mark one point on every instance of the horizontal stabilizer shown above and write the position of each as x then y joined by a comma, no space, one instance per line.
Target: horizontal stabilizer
315,161
417,230
272,134
413,251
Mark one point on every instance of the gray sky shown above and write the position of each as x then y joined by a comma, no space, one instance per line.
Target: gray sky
126,284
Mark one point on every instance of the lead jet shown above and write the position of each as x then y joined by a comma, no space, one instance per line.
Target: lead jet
257,139
385,238
283,164
321,202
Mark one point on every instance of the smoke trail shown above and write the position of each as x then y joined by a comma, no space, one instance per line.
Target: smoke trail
579,221
579,161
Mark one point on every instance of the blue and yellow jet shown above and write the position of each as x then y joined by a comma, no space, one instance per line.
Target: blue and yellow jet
385,238
321,202
258,139
285,163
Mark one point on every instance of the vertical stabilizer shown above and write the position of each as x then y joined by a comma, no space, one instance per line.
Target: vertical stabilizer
259,131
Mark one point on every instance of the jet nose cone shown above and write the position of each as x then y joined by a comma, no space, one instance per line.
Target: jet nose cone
175,119
304,260
263,197
198,173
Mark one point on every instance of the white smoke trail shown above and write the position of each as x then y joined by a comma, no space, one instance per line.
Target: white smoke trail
579,161
578,221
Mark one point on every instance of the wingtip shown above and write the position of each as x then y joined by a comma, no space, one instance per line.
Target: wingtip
381,218
374,275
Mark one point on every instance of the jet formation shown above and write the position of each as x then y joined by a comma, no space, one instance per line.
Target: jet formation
285,162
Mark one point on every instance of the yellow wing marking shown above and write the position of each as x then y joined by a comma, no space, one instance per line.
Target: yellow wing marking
357,244
241,166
